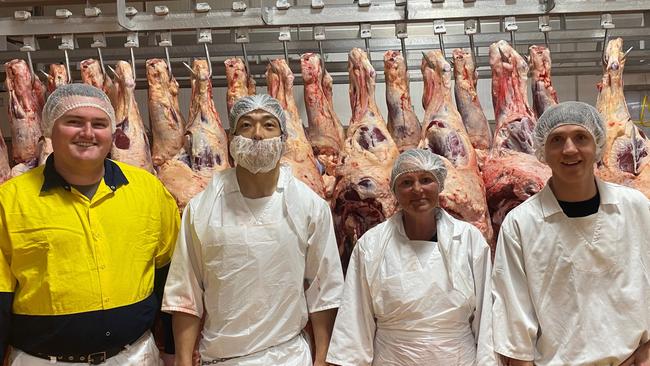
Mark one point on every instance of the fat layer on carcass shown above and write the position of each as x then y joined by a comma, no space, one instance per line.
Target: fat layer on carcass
515,119
445,135
92,74
130,143
26,100
469,106
625,158
324,128
403,124
544,95
298,152
205,151
240,84
511,173
167,122
362,196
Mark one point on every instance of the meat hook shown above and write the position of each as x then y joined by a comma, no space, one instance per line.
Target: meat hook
428,60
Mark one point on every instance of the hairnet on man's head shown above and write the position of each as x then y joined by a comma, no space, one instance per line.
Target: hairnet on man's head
258,102
418,160
570,113
70,96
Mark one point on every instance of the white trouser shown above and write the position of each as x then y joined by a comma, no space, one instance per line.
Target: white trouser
142,352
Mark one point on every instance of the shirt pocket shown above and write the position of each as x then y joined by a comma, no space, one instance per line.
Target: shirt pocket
29,243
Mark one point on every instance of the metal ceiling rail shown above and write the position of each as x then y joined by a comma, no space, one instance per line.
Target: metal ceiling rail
449,10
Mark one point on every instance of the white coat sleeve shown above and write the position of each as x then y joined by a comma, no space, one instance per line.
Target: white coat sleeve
184,286
514,320
354,329
482,322
323,273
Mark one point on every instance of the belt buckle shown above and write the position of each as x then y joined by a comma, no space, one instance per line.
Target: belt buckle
96,358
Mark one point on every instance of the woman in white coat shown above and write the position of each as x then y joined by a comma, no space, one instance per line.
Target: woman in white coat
417,290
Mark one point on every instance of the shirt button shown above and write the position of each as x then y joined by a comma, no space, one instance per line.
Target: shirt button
102,267
108,334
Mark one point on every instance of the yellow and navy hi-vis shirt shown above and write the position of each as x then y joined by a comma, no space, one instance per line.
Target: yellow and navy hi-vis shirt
82,270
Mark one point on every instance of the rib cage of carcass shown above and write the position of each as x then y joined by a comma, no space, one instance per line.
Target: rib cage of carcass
625,157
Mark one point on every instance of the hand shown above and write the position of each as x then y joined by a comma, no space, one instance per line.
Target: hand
640,357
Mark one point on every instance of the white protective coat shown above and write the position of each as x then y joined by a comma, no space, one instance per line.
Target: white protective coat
401,307
569,296
247,275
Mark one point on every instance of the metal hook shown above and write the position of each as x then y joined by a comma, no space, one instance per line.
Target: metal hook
45,74
428,60
207,56
190,68
31,66
132,63
169,62
274,69
112,70
627,52
67,65
101,61
321,55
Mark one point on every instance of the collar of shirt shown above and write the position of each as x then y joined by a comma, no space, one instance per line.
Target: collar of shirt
231,185
550,206
113,176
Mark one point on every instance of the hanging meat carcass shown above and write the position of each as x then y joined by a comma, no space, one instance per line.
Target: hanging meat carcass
130,143
544,95
445,135
469,106
167,123
206,144
240,84
511,173
324,127
92,74
298,152
625,158
362,196
403,124
26,100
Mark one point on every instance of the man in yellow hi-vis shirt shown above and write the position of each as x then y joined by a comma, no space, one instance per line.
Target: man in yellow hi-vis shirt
81,239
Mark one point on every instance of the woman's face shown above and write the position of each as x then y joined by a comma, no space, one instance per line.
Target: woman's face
417,192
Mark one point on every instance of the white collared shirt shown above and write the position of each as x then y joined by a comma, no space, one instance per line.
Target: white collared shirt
566,297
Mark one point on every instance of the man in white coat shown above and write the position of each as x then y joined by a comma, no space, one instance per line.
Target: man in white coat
570,280
256,256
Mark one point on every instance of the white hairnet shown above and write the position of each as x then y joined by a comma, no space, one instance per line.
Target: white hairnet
569,113
70,96
254,102
418,160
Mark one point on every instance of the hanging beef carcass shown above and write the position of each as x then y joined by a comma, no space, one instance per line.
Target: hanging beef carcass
362,196
511,173
445,135
625,158
544,95
240,84
26,100
298,152
206,144
165,117
130,143
403,124
324,127
469,106
92,74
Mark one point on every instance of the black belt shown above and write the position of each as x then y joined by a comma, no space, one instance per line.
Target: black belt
94,358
